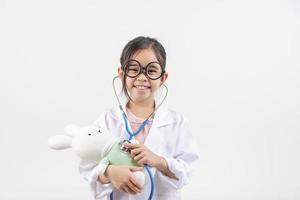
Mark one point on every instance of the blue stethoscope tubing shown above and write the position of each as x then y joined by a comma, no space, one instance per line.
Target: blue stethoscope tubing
132,135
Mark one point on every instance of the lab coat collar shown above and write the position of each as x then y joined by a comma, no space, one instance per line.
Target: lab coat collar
162,116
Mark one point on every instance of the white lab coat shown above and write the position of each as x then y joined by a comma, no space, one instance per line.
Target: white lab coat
170,137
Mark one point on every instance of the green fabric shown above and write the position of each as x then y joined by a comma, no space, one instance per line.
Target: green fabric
104,161
118,157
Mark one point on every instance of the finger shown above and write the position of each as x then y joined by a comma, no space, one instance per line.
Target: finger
135,152
139,157
126,189
134,168
144,160
132,145
133,187
134,181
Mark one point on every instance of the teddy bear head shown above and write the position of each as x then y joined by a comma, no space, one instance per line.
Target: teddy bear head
89,143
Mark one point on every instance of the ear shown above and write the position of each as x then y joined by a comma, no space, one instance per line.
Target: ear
120,73
164,78
60,142
72,130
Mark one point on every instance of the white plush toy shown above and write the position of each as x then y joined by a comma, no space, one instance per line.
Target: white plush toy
95,144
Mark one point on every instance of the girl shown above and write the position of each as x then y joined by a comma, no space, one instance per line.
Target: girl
165,142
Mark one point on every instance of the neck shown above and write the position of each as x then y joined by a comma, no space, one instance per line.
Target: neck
141,109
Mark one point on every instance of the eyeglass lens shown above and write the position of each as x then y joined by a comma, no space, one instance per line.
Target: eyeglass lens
153,70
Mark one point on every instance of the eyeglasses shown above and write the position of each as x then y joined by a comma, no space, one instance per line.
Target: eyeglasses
152,70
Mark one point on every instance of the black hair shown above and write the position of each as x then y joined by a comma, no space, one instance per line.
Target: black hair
143,43
139,43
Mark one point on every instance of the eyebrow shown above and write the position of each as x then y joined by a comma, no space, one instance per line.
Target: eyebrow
134,60
153,66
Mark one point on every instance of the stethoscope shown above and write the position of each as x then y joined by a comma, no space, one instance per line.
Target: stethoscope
132,135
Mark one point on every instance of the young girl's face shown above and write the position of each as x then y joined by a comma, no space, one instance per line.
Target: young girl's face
141,88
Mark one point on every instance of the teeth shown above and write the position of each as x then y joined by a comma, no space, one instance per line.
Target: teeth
141,87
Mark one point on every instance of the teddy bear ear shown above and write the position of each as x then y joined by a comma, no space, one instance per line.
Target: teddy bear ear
60,142
72,130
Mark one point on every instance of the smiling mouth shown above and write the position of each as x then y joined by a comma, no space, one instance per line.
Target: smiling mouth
141,87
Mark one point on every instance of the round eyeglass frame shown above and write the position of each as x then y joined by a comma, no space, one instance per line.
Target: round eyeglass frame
142,69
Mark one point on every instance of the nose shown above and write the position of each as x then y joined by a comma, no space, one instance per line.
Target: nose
142,76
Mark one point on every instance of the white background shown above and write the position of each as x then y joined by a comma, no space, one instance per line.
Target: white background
234,71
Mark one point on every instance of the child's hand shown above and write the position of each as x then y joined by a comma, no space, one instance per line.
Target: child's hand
122,178
142,155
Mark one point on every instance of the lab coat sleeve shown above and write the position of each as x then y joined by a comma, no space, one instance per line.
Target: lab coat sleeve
90,170
184,159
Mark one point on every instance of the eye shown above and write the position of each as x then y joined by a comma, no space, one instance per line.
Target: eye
89,134
99,131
